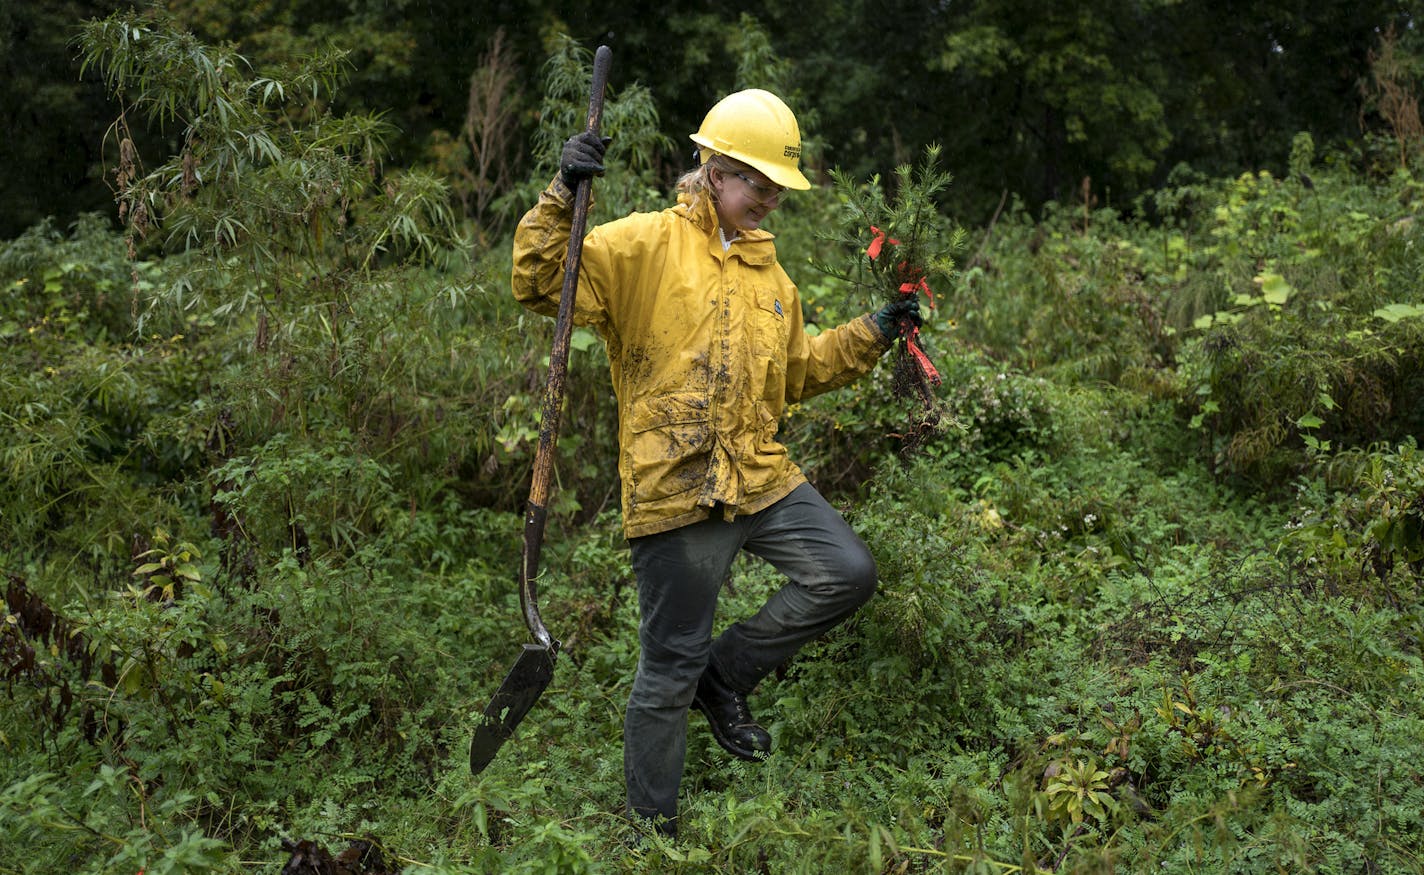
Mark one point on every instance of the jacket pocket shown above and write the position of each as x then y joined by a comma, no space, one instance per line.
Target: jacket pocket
668,444
765,463
769,329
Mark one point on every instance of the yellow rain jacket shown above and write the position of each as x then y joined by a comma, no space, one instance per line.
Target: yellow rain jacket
706,347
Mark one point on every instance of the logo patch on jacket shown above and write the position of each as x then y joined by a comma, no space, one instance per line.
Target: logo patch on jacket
777,307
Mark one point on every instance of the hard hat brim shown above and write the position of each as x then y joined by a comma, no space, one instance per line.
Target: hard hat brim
783,175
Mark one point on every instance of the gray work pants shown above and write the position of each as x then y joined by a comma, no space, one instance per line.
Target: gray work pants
680,573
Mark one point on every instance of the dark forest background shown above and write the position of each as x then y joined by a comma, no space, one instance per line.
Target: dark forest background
1032,98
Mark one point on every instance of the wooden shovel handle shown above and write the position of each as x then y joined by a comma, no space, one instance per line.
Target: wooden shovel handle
537,510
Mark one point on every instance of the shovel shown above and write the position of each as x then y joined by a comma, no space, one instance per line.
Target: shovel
534,668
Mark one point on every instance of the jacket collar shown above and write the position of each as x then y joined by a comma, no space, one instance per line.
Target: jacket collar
753,247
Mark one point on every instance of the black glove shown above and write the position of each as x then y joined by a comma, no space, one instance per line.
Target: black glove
889,317
582,157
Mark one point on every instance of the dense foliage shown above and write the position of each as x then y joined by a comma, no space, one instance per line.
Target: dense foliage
1150,592
1031,98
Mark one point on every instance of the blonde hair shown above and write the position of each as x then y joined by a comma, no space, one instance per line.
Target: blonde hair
697,182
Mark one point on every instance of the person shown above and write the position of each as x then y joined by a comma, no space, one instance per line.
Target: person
706,347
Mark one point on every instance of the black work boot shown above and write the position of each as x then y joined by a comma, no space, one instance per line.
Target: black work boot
733,725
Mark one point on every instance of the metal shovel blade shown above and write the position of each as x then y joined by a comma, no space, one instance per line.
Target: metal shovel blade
521,688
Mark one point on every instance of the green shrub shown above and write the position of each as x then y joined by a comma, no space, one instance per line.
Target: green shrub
1316,334
1363,520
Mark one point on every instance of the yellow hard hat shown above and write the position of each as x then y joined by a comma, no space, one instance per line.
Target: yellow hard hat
756,128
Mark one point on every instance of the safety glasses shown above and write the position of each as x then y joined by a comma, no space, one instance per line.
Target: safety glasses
761,193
